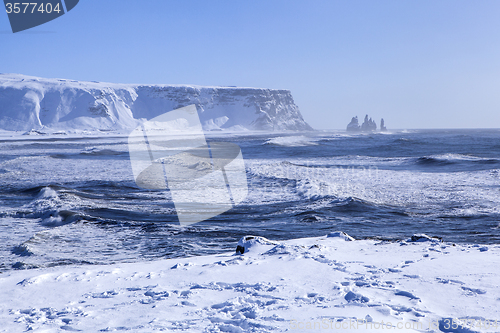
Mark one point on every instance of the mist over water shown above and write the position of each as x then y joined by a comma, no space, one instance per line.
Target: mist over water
66,200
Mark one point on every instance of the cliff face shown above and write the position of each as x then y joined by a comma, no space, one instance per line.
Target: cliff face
32,103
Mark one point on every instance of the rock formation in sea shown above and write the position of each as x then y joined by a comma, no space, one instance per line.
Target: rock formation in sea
353,126
368,125
382,125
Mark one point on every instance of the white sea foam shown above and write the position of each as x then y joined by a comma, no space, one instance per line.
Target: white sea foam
458,157
292,141
413,191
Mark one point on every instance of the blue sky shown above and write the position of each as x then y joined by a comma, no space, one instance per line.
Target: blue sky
418,64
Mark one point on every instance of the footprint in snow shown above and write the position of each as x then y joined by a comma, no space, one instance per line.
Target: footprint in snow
395,270
106,294
362,284
353,297
473,291
446,281
406,294
412,276
70,329
157,295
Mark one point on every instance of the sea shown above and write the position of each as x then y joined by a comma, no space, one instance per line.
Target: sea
72,199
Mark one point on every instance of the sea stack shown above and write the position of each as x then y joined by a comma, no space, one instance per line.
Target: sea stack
382,125
353,126
368,125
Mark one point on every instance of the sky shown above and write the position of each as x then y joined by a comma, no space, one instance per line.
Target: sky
417,64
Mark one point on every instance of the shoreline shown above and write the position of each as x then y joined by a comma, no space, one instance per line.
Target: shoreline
272,286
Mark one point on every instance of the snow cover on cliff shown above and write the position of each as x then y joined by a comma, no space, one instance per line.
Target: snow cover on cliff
28,103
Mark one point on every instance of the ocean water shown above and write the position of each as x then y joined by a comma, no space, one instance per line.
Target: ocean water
73,200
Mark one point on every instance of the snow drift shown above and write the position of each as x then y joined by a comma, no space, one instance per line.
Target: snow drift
28,103
319,284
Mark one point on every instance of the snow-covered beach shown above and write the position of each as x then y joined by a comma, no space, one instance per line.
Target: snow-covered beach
303,285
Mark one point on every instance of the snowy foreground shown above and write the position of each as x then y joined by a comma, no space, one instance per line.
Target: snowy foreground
309,285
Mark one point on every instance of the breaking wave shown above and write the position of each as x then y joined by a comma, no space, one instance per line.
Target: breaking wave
292,141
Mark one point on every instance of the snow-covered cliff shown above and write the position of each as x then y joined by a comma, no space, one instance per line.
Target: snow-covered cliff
28,102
